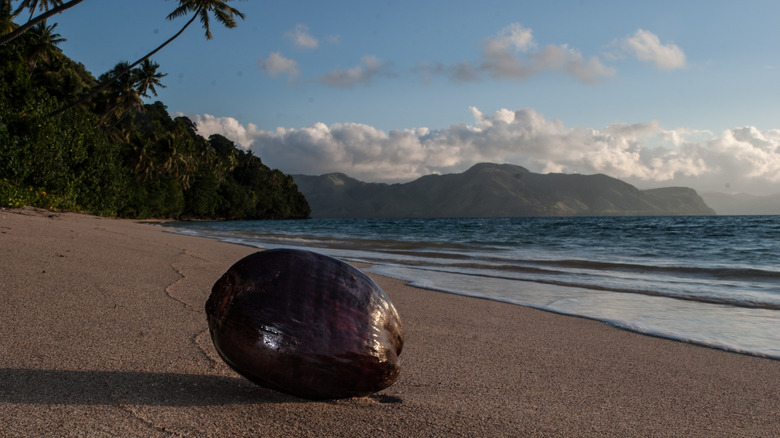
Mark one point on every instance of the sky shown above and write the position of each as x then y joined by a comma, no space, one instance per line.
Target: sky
663,93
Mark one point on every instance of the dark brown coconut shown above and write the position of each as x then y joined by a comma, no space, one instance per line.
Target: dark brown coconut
305,324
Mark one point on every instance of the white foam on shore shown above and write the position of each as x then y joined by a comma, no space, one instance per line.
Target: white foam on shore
742,330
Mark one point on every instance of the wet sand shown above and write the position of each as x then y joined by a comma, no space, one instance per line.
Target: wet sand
104,334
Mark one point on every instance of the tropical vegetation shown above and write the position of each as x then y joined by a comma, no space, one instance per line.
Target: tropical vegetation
71,141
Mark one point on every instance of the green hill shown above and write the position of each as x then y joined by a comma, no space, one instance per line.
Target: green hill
113,155
493,190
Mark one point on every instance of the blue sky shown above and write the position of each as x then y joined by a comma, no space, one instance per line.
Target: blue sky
655,93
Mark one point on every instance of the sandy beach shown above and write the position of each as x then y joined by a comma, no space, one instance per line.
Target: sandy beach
104,334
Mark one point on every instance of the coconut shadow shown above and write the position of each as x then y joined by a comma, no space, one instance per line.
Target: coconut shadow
112,388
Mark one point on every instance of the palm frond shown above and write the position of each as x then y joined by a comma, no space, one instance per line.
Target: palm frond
182,10
204,20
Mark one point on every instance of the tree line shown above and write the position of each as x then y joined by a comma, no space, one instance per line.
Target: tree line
71,141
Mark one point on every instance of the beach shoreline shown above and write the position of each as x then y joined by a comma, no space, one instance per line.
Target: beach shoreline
105,334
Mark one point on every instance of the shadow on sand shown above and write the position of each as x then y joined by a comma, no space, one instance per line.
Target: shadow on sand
127,387
112,388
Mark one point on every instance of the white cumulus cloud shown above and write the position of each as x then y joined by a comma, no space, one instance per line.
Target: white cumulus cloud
647,47
644,154
228,127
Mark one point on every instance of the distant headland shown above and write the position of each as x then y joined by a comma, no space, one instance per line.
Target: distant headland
494,190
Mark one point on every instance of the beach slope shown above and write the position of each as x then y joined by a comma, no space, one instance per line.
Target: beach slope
104,334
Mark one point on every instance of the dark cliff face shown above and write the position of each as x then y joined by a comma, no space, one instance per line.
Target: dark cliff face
493,190
683,200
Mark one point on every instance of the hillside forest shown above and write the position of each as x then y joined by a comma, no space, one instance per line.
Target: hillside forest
71,141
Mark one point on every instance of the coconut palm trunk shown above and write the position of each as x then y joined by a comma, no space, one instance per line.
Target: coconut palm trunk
114,78
200,8
29,25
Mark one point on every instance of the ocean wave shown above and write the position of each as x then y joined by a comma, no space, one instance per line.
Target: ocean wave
690,279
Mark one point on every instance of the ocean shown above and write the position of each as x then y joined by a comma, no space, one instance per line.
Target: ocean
707,280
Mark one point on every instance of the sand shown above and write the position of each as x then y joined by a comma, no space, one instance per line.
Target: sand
104,334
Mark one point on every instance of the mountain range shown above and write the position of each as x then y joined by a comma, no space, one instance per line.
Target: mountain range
493,190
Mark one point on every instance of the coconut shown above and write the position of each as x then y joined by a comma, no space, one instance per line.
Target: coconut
305,324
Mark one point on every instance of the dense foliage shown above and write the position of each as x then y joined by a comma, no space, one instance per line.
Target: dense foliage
113,155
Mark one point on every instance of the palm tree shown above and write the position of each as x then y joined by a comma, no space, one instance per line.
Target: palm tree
44,44
123,96
177,153
127,90
201,9
59,6
31,4
6,19
148,78
142,160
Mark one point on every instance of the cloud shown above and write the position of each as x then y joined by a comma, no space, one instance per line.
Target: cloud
463,71
276,64
647,47
644,154
513,55
513,37
323,149
369,67
301,38
748,152
570,61
228,127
